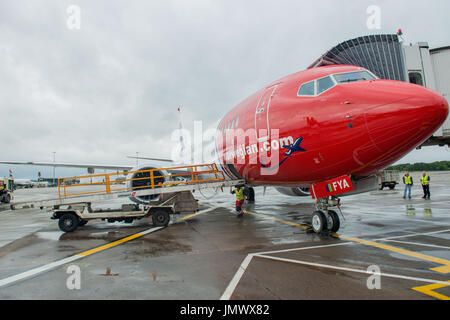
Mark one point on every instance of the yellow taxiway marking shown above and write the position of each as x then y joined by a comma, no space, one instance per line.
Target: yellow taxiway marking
132,237
188,217
444,269
278,220
115,243
56,264
429,290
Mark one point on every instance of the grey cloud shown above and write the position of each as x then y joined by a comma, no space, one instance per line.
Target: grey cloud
112,88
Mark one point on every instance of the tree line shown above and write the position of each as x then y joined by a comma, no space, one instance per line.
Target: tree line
421,166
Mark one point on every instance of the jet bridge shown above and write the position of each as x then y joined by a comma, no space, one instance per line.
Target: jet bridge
387,56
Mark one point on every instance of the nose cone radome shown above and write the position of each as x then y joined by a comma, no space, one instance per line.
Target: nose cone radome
401,125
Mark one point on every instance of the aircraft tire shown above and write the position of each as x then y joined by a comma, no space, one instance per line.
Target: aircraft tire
318,221
333,221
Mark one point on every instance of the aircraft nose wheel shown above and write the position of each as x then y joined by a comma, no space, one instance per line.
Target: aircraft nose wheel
319,222
333,221
324,219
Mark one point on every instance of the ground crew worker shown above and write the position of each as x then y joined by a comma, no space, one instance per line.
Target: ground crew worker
425,181
3,192
239,191
408,181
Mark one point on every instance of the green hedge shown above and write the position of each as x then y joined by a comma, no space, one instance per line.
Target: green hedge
421,166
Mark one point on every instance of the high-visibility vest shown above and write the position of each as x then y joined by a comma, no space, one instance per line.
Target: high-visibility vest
408,179
239,194
425,180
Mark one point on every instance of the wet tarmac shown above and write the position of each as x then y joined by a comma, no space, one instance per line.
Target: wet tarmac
387,248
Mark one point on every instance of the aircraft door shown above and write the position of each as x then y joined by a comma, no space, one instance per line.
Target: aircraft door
262,114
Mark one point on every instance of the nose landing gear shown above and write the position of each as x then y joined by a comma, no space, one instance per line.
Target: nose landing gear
325,219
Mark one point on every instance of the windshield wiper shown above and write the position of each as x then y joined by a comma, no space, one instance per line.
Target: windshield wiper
350,80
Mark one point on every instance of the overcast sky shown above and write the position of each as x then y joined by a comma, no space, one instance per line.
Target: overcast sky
112,88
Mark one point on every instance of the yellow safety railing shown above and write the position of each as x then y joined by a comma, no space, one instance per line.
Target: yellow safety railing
149,179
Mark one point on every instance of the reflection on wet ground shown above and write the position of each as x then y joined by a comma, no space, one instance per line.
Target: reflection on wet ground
278,256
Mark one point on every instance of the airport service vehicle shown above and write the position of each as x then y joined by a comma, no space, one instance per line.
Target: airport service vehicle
6,190
159,199
75,215
325,132
389,178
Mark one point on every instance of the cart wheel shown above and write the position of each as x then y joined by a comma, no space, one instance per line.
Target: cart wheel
68,222
161,218
7,198
82,222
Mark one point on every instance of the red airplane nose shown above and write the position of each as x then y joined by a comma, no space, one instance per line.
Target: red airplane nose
398,127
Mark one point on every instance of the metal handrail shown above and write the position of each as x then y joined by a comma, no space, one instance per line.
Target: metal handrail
194,172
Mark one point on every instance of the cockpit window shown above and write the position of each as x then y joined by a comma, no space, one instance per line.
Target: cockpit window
317,87
324,84
307,89
416,78
353,76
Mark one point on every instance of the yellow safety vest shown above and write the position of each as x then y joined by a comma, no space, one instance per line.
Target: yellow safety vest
239,194
424,180
408,179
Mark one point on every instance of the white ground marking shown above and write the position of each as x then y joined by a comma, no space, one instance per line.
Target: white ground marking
242,268
36,271
326,266
419,244
306,248
413,235
53,265
237,277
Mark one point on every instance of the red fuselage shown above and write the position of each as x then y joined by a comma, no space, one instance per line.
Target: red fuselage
354,127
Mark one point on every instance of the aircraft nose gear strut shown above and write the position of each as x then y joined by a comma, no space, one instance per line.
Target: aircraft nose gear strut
324,218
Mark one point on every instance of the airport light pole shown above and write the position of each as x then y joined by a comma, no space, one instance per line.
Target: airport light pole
54,159
137,158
